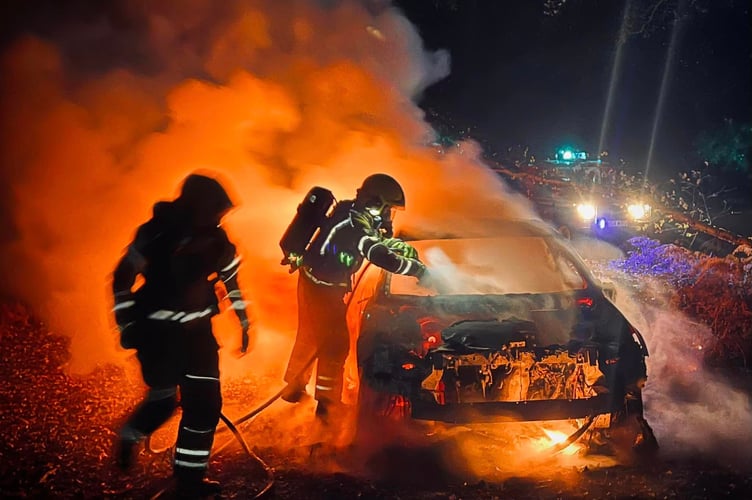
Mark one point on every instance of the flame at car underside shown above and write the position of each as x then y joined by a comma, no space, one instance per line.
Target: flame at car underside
558,438
493,451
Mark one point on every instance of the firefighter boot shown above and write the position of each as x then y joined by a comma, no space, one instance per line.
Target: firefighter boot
294,392
125,453
125,447
195,485
329,412
322,411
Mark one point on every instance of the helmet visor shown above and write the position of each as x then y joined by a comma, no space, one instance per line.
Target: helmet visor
382,209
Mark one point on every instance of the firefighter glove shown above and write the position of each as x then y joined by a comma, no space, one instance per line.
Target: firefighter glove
421,272
398,246
295,261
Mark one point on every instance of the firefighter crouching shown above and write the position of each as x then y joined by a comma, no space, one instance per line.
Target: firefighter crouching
184,256
354,230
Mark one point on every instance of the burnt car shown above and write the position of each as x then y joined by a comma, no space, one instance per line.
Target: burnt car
508,326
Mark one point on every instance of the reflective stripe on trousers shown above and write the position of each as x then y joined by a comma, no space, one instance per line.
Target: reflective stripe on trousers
322,331
202,403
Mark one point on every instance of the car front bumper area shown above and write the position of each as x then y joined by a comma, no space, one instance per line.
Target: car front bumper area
513,411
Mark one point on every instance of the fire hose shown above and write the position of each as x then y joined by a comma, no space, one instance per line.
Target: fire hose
232,426
559,447
308,363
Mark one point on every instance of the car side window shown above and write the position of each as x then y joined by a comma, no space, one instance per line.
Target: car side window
572,277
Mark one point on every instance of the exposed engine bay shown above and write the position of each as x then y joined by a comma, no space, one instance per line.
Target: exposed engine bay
513,373
478,361
486,341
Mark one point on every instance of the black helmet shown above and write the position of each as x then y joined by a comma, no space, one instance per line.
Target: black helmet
378,191
205,198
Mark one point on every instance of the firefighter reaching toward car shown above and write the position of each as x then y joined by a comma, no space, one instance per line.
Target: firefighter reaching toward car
186,260
328,242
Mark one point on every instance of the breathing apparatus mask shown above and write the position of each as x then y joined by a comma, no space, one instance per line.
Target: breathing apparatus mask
376,200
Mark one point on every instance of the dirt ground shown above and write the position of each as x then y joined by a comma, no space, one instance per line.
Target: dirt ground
57,431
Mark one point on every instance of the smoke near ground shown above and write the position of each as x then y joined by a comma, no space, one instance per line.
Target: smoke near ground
694,410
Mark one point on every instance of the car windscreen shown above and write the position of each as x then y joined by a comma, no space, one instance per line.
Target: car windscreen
489,266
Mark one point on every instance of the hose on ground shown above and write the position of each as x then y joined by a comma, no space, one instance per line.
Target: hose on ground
232,426
559,447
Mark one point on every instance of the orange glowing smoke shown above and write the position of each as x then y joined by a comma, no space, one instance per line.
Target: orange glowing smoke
274,98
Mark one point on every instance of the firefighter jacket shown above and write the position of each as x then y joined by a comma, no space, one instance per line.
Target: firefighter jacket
180,265
344,241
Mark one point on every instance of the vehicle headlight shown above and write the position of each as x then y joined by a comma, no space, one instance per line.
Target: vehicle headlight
586,211
638,210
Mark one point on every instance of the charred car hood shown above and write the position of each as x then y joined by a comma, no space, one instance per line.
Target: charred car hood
477,335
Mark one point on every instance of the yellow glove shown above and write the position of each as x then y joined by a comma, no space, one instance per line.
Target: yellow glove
396,245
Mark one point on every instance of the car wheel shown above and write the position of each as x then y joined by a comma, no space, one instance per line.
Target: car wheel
628,432
381,416
382,404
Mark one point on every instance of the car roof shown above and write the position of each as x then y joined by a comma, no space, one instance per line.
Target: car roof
500,228
485,228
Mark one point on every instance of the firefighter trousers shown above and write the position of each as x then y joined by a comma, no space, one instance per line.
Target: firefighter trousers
322,332
183,356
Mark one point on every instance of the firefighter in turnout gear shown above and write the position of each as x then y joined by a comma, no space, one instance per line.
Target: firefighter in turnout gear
354,230
186,261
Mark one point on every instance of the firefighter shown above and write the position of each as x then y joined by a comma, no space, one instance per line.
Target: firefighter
186,261
355,230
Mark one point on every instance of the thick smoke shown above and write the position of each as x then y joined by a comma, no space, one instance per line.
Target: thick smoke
106,112
693,410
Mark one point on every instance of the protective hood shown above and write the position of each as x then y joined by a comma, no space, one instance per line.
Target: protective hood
204,199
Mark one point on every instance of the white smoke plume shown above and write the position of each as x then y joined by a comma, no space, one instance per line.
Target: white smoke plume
694,410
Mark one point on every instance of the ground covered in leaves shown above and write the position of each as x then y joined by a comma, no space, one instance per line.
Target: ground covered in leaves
57,431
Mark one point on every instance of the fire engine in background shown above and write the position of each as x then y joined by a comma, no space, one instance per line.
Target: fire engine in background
577,196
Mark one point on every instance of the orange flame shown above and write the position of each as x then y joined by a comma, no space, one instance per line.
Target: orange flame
556,437
284,109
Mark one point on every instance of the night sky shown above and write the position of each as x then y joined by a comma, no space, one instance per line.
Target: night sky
521,77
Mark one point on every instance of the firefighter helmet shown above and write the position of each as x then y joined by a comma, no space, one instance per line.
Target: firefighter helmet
380,190
205,198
